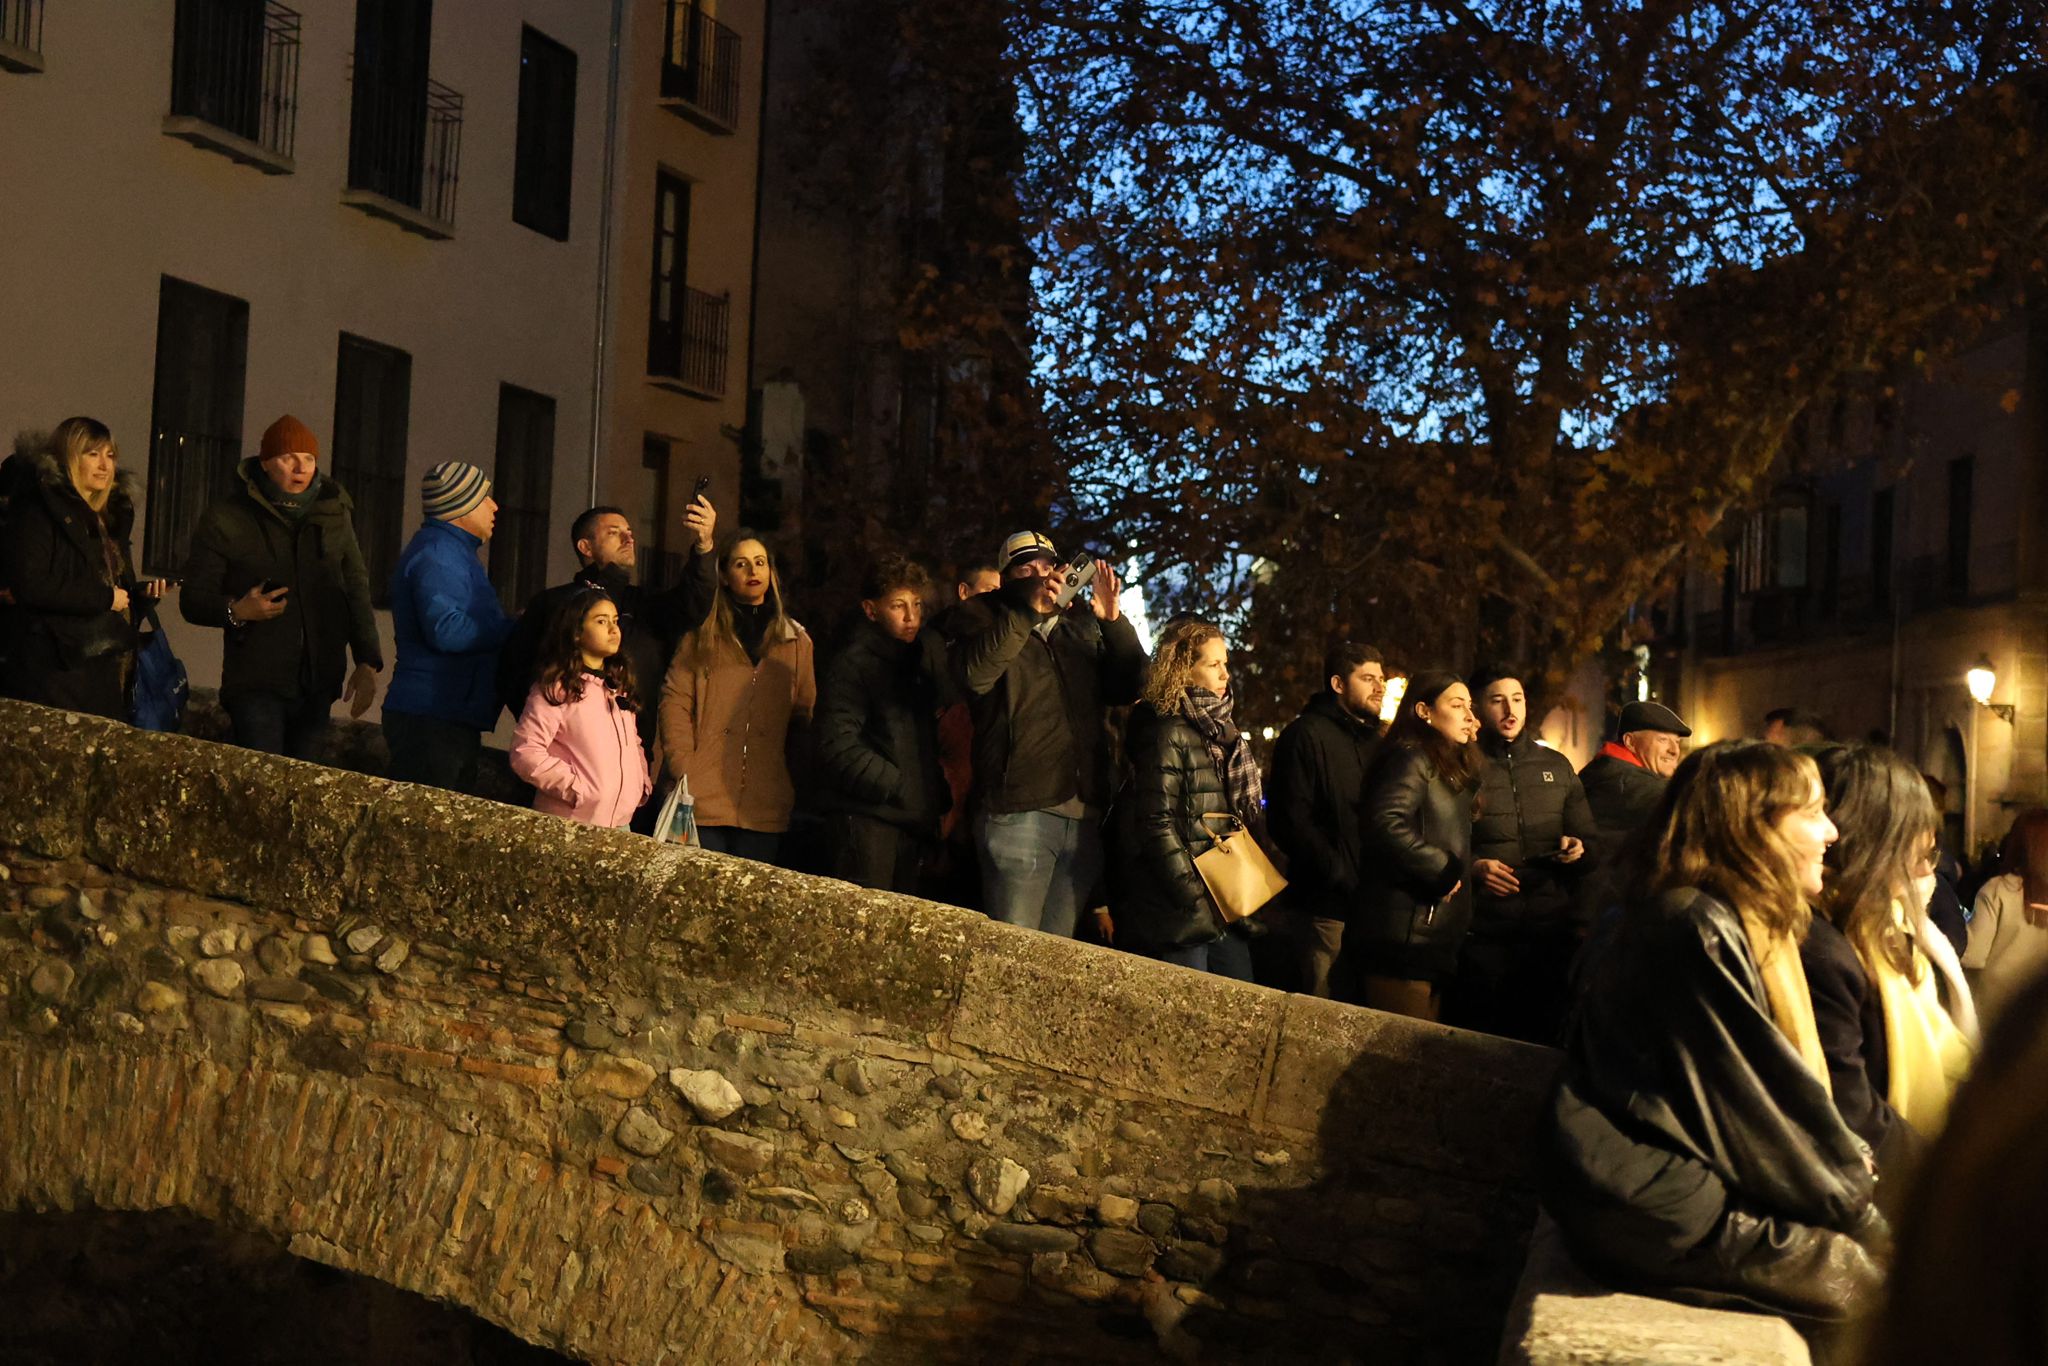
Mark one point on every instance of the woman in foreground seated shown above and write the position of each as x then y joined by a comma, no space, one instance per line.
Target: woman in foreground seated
1696,1151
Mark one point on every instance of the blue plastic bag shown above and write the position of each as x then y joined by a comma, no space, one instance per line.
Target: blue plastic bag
161,685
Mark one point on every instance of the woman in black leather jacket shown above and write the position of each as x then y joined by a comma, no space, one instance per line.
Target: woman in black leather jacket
1414,907
1695,1150
1188,761
68,634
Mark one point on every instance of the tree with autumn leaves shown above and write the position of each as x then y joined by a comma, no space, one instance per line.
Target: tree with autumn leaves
1463,325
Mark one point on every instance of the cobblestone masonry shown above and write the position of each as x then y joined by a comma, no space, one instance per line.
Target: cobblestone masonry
660,1105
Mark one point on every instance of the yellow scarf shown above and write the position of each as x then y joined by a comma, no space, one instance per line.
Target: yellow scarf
1786,993
1928,1053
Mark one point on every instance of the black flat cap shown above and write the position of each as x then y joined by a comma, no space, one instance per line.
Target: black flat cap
1650,716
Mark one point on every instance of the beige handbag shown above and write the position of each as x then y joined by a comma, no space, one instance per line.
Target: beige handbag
1237,872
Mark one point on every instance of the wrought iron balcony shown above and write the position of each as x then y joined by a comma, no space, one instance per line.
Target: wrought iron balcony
404,155
689,354
700,67
235,81
21,35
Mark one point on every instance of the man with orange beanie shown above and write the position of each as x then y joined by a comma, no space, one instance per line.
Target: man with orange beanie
277,567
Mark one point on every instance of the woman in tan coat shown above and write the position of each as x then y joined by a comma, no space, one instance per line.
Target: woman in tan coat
734,689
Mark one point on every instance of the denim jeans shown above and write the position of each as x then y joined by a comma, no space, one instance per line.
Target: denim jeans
437,753
759,845
1229,956
272,724
1037,868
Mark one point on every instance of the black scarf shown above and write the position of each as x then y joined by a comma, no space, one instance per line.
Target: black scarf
750,624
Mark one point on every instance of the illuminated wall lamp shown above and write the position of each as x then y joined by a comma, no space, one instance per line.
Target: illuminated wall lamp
1983,681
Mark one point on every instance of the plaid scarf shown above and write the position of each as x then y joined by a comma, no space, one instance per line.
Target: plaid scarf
1232,753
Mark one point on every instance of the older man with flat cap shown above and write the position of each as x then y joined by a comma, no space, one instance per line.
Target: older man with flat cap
1624,782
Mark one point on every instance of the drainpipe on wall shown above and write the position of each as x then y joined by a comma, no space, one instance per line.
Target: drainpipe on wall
598,358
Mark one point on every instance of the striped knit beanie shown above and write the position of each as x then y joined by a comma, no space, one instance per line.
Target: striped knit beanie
453,489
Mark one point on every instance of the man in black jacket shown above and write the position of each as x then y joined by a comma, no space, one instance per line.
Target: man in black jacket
1529,844
276,565
1624,783
876,737
1038,680
1312,803
651,622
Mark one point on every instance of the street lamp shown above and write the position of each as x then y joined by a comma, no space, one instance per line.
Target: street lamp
1983,680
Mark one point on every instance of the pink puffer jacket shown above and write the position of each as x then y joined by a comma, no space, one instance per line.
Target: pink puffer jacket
582,757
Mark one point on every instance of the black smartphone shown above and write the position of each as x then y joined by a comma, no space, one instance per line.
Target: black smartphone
269,586
703,483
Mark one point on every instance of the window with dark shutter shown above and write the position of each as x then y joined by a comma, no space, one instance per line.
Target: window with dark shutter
372,415
522,484
671,270
544,155
195,421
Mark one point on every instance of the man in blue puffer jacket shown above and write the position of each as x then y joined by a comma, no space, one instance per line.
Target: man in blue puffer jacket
449,625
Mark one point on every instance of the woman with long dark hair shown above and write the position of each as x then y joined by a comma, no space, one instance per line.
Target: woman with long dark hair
1696,1151
1894,1052
1192,778
736,687
578,740
1414,906
70,635
2009,927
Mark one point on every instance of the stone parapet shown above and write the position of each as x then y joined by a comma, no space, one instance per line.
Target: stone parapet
646,1103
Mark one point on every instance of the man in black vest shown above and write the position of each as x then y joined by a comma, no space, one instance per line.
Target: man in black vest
1529,845
1312,805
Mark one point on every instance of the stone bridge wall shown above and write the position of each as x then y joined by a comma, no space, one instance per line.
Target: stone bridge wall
650,1104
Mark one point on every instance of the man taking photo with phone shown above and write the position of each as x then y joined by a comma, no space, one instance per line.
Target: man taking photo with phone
1039,675
277,567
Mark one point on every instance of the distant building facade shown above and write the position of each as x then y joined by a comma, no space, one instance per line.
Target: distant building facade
1905,540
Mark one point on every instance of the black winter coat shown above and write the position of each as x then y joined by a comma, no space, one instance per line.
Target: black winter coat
1418,844
1038,699
651,624
242,541
1693,1154
876,737
1157,898
61,641
1850,1018
1313,802
1529,800
1622,796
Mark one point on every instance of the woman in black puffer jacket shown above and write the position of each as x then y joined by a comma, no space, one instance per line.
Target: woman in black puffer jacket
1417,835
68,632
1188,760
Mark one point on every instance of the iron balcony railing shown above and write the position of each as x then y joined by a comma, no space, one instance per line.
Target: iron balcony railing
406,146
700,65
21,35
236,66
706,321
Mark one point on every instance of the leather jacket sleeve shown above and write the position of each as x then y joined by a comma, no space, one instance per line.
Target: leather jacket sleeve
992,637
1393,824
1160,793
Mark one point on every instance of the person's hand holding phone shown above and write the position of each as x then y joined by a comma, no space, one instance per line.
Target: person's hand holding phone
261,603
1571,850
701,518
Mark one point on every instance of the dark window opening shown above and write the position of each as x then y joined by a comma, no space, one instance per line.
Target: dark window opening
405,129
372,415
1961,478
195,422
1881,518
671,269
522,485
544,157
235,65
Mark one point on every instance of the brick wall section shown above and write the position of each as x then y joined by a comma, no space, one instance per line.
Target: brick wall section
431,1040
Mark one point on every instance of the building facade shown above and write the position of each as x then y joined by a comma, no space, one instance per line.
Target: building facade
1905,543
428,228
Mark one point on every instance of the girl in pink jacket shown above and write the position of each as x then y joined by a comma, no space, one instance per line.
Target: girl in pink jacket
577,741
